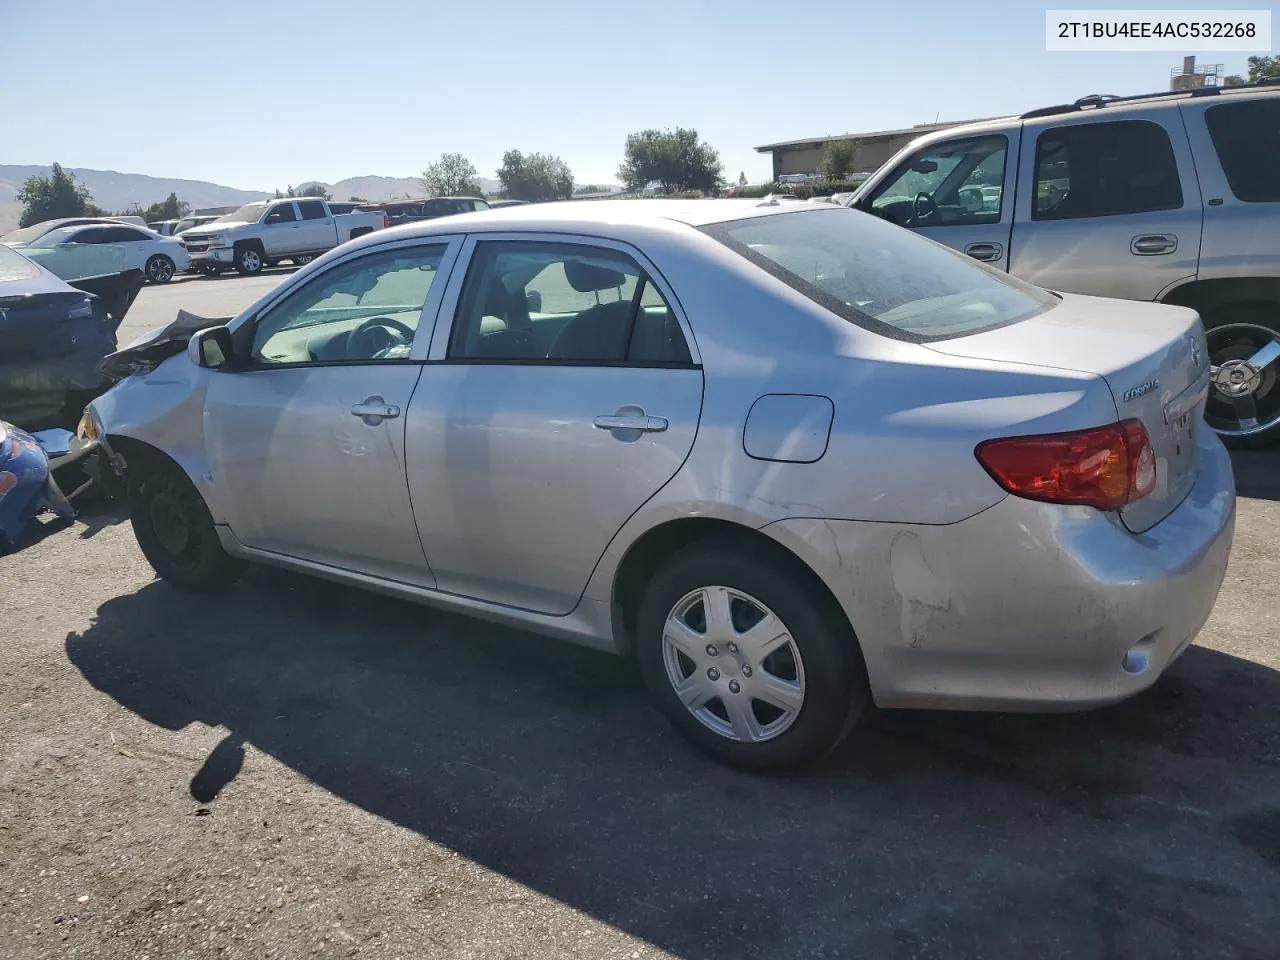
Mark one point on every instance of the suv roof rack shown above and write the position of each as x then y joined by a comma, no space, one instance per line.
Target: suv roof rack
1096,101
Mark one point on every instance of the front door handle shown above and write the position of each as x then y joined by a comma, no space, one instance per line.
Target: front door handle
1154,244
986,252
373,410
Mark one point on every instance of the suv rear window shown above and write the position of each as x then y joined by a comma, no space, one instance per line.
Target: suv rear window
1246,136
1104,170
879,276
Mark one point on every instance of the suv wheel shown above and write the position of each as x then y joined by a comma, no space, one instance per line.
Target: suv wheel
747,659
249,260
1244,362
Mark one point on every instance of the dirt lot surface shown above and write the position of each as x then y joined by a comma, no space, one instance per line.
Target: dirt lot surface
294,769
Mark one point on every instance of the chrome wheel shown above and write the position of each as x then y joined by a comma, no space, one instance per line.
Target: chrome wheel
250,261
733,664
160,270
1244,375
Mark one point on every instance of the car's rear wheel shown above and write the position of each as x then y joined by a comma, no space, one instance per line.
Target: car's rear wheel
249,259
1244,361
174,528
160,269
748,658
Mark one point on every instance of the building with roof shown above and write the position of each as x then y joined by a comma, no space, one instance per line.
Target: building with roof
792,157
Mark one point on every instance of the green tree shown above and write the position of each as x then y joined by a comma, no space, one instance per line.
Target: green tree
356,200
535,177
1260,68
57,195
837,159
170,208
677,159
742,179
315,190
451,175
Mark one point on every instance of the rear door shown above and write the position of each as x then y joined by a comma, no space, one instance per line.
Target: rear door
316,228
957,191
534,434
1108,203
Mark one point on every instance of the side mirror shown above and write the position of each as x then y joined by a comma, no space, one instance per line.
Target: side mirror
534,299
211,348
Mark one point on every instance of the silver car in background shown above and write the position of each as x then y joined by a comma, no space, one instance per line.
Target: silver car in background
791,458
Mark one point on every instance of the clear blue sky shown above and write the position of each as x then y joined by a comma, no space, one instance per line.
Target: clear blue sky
259,95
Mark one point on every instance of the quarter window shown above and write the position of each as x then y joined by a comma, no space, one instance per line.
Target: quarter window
1246,136
1104,170
563,303
359,311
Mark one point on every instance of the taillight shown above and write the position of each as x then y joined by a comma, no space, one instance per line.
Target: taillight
386,221
1105,467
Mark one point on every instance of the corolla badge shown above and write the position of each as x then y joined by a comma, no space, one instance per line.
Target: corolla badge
1141,390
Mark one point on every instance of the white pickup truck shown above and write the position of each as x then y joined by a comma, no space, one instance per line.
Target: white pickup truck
262,233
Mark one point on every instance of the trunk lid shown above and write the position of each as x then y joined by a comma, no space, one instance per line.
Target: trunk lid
1154,360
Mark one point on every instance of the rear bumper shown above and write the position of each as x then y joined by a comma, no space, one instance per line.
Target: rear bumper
1026,606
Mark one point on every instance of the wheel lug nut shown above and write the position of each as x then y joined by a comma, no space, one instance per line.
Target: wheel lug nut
734,686
712,651
733,647
713,674
746,670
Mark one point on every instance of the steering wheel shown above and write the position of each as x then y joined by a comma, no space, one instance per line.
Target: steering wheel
923,207
376,335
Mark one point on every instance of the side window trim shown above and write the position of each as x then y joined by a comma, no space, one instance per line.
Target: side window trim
244,326
452,297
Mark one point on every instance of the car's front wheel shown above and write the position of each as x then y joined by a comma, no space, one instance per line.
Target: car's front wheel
748,658
160,269
174,528
249,260
1243,405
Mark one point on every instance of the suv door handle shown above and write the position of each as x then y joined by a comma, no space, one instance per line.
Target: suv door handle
641,423
986,252
373,410
1150,245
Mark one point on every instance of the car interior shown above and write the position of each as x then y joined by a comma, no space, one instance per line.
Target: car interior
953,183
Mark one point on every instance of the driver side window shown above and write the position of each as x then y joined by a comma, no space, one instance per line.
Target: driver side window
953,183
361,311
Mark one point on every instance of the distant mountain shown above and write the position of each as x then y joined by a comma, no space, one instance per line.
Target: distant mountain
384,188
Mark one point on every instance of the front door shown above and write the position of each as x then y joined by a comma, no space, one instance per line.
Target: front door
307,441
1109,208
564,397
958,192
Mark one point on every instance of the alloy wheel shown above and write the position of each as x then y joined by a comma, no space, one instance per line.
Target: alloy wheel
1244,371
250,260
160,270
733,664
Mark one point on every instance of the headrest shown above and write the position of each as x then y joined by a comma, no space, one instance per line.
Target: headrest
587,277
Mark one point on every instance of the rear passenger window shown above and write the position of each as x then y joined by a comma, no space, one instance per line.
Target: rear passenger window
1246,136
311,209
1104,170
562,303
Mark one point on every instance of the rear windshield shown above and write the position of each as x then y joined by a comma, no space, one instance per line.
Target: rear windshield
14,266
880,276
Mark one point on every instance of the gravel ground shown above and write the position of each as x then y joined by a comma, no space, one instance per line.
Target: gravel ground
295,769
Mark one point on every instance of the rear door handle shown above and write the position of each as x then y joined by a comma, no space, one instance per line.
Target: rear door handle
373,410
643,424
1154,244
986,252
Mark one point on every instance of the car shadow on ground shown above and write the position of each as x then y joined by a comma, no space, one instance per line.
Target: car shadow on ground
1257,472
1148,829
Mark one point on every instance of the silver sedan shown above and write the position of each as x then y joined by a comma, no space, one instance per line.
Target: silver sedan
792,459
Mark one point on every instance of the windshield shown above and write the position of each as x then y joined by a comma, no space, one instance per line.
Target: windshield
249,213
52,238
14,266
880,276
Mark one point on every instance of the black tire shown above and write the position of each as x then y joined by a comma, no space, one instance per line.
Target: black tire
1234,333
835,679
174,528
159,269
249,259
